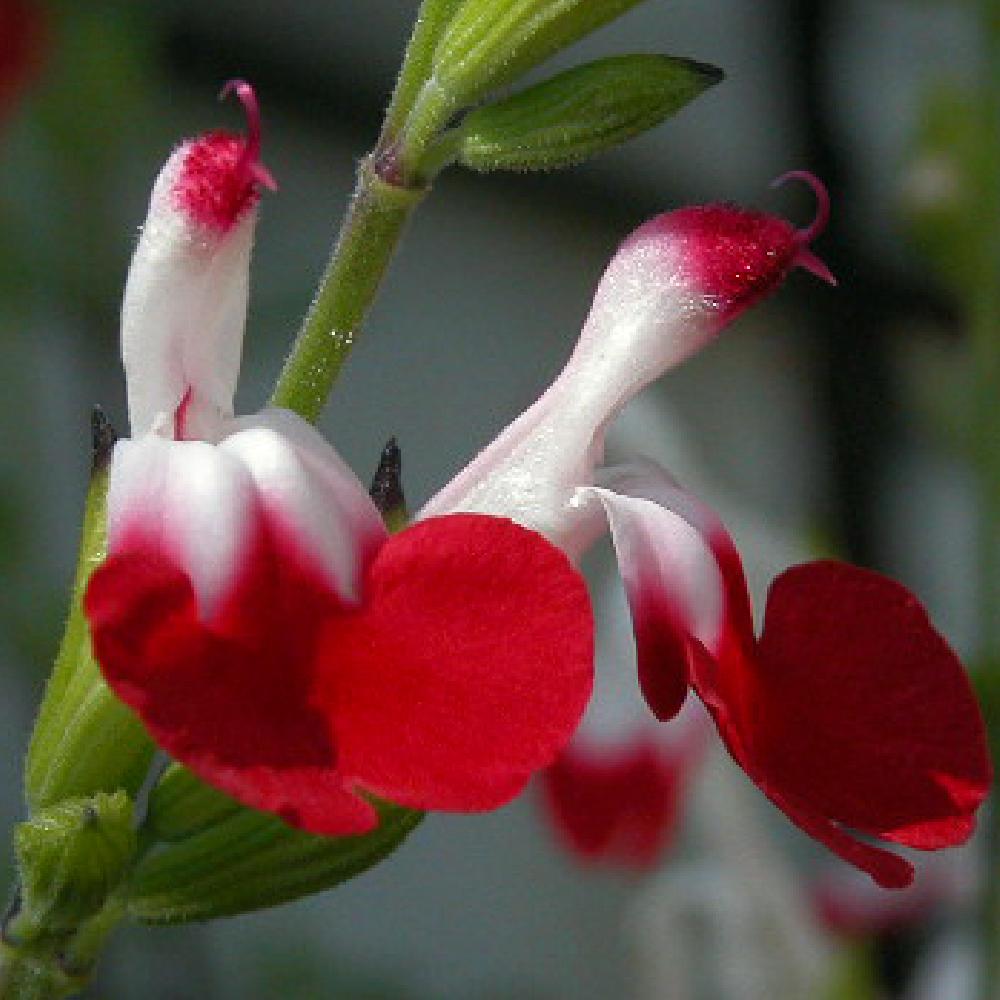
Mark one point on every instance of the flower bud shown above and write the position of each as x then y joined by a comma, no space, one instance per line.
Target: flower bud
489,43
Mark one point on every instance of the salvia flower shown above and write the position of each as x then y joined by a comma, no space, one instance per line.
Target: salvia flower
850,711
253,609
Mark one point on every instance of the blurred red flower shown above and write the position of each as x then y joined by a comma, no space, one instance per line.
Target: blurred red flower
22,46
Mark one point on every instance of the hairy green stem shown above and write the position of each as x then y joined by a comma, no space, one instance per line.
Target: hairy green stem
392,181
368,238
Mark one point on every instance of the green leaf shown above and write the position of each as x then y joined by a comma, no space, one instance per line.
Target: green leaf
492,42
253,860
581,112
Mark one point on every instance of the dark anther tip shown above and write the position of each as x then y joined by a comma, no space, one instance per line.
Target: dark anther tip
387,486
102,437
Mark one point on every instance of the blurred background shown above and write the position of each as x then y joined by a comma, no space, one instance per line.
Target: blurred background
826,422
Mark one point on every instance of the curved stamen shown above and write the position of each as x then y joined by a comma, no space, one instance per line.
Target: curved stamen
249,164
816,227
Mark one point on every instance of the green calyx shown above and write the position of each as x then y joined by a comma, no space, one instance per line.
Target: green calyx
252,860
85,740
580,113
182,805
30,974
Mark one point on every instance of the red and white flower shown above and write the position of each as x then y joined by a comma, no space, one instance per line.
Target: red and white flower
254,612
850,712
253,609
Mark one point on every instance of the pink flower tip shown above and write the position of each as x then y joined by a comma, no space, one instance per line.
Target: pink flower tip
250,160
221,173
805,258
728,256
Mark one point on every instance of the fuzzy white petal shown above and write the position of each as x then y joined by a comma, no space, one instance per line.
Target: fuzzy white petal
305,486
646,317
183,313
190,500
665,543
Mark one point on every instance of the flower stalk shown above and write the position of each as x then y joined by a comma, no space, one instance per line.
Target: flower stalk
378,214
387,191
458,54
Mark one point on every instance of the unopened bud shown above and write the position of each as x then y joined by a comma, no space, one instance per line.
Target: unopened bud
488,44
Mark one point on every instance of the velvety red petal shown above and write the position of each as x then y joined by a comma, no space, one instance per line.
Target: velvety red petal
851,713
466,670
863,712
734,721
616,805
682,575
229,696
889,870
663,652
